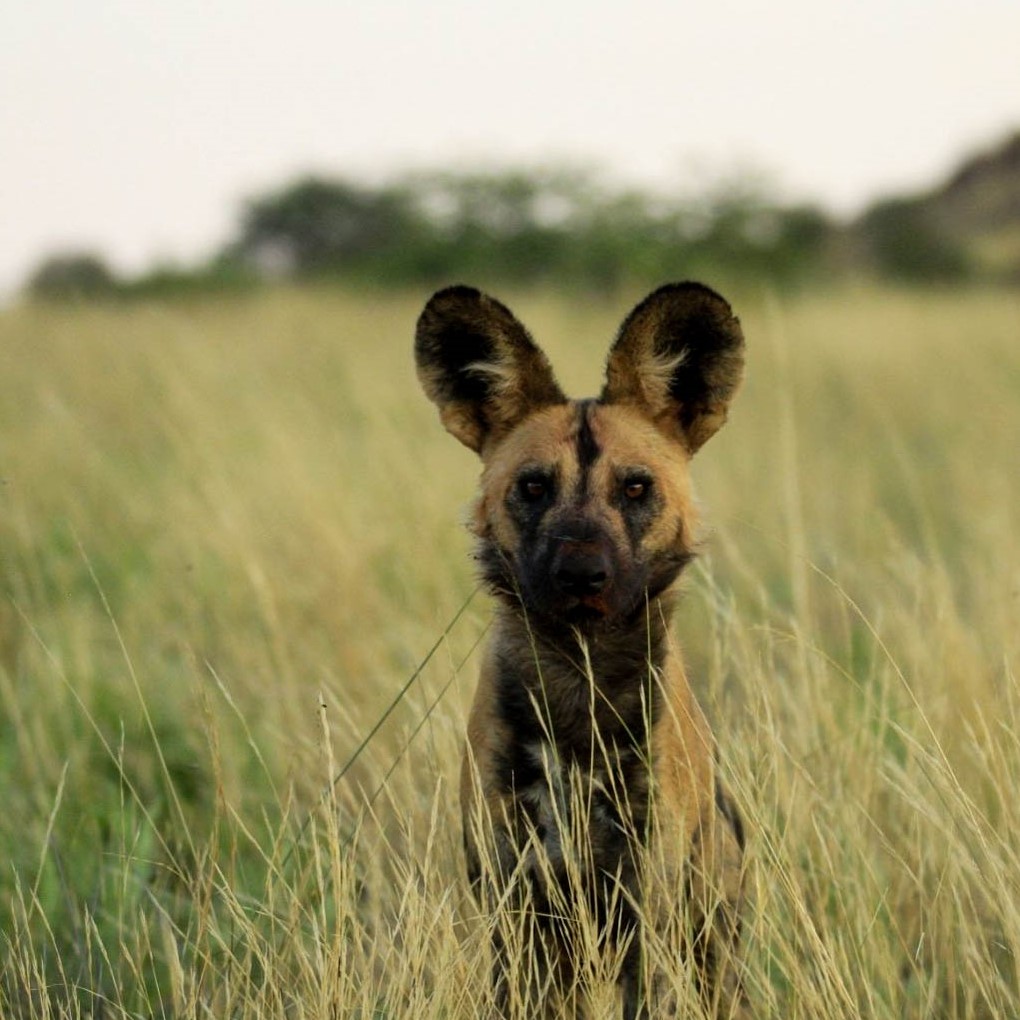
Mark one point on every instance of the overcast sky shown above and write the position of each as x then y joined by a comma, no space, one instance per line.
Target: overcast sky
136,128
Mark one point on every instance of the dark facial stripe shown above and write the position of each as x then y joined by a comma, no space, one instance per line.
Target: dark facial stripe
588,449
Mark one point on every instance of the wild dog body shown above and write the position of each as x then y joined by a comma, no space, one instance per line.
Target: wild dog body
589,785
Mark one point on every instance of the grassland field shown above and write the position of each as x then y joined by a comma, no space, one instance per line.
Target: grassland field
231,536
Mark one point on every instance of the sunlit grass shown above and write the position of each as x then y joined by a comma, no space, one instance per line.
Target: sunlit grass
229,536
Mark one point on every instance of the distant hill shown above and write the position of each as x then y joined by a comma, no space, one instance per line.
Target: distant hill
980,207
967,226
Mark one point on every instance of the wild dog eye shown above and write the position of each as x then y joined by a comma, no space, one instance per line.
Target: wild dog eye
636,488
532,488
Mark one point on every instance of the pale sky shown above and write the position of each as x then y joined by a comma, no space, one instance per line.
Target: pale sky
136,128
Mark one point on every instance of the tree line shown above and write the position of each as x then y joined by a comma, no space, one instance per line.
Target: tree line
522,227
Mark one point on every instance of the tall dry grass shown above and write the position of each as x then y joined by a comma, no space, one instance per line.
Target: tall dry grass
229,540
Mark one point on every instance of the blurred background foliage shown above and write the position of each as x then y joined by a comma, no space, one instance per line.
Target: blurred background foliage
570,227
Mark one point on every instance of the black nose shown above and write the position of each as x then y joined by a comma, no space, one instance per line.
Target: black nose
580,569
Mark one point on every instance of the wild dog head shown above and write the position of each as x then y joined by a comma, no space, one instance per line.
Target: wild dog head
585,508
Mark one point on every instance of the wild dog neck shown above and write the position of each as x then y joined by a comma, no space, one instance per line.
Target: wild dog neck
577,690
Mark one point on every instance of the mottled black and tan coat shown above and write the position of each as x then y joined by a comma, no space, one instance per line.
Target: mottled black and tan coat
594,818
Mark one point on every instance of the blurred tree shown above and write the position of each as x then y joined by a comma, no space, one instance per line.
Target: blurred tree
525,226
71,275
515,224
317,225
903,243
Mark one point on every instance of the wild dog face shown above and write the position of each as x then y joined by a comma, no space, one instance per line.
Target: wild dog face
585,508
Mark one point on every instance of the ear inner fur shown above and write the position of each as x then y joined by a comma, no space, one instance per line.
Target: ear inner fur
679,358
479,365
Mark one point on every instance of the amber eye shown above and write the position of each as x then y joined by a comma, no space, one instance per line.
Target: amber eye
533,489
635,488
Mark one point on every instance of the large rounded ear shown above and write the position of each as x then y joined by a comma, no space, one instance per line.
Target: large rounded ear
478,364
679,358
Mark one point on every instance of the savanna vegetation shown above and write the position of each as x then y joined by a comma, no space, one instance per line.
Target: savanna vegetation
238,633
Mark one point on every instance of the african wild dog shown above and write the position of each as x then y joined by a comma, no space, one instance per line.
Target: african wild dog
589,788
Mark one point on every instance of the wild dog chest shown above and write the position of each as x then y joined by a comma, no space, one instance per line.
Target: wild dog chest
574,764
573,817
